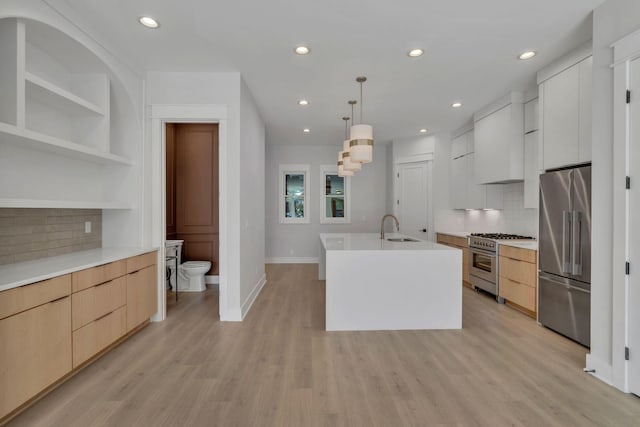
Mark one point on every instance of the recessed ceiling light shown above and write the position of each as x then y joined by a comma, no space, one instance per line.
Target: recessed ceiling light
302,50
303,102
148,22
423,130
527,55
414,53
456,104
306,130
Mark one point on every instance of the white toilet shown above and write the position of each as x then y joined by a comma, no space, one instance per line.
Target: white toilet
191,276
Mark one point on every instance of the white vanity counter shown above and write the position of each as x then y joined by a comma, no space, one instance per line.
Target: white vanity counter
27,272
375,284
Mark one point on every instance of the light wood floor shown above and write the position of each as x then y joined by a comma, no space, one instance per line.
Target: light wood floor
280,368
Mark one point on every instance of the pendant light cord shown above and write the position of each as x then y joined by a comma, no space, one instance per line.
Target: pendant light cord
361,104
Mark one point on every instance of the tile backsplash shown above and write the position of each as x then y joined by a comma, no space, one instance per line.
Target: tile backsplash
28,234
513,218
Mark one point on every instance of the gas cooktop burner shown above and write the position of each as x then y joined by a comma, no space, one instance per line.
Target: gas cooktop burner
501,236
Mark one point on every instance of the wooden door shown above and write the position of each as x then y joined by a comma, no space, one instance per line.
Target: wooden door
170,179
196,166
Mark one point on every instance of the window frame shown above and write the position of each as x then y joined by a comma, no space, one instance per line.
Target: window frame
333,170
290,169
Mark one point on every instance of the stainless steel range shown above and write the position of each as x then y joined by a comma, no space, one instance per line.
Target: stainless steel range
483,268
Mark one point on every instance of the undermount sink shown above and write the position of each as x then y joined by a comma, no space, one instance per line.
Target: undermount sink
401,239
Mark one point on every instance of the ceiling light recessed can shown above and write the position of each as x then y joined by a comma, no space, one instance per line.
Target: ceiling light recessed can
527,55
423,130
414,53
148,22
456,104
302,50
306,130
303,102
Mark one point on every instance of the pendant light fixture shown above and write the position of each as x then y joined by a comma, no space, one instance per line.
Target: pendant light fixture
346,152
342,170
361,139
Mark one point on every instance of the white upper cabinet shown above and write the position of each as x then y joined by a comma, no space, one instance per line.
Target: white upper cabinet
531,172
465,192
499,141
565,97
531,116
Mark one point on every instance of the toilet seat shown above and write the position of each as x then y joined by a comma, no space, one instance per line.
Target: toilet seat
195,264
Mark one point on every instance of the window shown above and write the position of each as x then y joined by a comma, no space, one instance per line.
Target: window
293,194
334,196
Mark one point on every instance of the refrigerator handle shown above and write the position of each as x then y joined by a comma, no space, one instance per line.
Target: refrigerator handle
567,247
576,243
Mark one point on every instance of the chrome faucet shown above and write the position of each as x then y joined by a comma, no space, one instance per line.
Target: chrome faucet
382,224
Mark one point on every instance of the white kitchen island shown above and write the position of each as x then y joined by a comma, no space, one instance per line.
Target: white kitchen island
375,284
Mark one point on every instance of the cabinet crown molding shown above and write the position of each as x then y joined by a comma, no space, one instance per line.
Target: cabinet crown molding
511,98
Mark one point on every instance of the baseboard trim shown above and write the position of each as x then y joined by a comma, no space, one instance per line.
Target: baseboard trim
248,303
212,280
292,260
603,370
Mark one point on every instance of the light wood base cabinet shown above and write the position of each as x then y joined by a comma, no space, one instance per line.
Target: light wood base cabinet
142,296
518,278
98,335
461,243
46,331
35,352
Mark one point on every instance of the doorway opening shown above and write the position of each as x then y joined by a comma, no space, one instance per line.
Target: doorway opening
191,210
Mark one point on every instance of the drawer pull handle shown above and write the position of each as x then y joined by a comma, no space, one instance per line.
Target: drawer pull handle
103,316
58,299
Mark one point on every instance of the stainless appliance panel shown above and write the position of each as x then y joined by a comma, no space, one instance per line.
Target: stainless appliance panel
483,265
555,222
565,308
486,285
581,227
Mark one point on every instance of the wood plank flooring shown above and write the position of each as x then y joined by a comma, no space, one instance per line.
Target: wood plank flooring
280,368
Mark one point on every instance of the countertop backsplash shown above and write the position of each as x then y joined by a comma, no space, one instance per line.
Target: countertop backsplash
28,234
513,218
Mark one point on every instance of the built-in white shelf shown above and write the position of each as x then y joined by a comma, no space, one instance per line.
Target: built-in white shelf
51,94
61,204
27,138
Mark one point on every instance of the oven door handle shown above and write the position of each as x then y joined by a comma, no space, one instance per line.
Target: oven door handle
482,252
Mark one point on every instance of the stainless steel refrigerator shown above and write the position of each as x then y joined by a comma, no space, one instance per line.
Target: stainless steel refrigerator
564,285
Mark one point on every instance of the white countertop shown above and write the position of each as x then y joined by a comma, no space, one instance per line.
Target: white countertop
524,244
24,273
372,242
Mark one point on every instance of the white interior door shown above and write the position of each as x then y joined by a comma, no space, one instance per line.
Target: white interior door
412,199
633,236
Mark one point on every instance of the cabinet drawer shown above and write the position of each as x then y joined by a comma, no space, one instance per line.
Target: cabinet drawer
25,297
446,239
518,271
142,296
141,261
94,276
35,352
523,295
95,302
97,335
522,254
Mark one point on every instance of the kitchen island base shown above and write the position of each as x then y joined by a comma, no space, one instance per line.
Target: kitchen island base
395,286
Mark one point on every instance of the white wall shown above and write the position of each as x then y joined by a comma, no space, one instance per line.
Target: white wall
300,241
611,21
245,134
252,198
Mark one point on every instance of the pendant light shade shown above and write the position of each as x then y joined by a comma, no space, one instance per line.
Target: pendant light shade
341,169
345,154
361,138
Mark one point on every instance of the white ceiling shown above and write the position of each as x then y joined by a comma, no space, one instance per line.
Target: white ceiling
470,46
